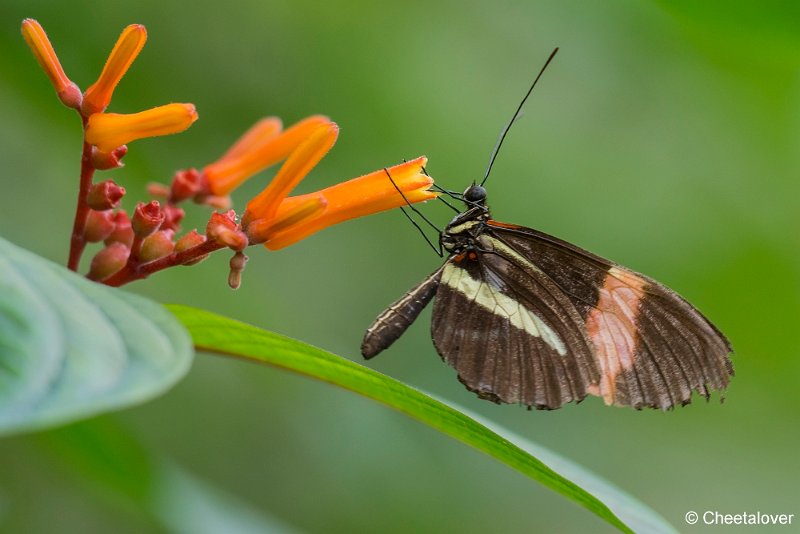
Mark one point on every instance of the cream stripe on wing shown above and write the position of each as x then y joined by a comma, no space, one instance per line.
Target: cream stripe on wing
486,296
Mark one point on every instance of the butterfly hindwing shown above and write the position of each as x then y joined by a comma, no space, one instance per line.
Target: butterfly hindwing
652,348
510,332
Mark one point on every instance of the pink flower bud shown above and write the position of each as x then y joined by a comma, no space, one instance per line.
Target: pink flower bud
71,96
214,201
223,229
186,184
147,218
237,264
104,195
191,240
108,261
123,233
155,189
108,160
173,216
157,246
227,219
99,225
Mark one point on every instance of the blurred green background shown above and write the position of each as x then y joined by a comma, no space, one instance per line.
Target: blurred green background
665,136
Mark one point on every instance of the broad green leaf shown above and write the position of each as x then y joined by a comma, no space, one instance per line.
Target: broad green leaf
221,335
71,348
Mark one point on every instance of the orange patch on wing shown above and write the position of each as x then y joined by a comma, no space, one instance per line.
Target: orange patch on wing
499,224
611,326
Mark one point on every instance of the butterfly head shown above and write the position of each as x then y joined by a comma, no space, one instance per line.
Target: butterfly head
475,194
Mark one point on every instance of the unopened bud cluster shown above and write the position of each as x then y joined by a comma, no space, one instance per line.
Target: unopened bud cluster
146,236
149,235
152,231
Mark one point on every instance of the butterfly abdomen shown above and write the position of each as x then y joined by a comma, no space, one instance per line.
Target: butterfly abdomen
396,319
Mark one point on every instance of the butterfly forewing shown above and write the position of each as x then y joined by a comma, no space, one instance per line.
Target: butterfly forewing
652,348
510,332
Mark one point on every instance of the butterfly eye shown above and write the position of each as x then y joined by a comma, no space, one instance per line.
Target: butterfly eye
475,193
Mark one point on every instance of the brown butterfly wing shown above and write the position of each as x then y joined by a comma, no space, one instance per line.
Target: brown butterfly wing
511,333
652,348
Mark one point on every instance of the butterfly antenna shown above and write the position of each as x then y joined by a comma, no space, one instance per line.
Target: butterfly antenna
515,117
437,250
448,193
451,194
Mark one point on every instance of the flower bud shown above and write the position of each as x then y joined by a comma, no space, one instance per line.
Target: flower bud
103,161
186,184
147,218
37,40
99,225
108,261
227,219
237,264
155,189
104,195
157,246
173,216
123,232
128,46
223,229
214,201
191,240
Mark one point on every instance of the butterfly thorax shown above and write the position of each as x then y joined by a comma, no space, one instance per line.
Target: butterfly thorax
461,234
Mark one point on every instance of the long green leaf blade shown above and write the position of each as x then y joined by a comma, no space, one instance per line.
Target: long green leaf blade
221,335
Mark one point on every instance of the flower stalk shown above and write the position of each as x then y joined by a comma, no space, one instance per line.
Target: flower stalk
77,241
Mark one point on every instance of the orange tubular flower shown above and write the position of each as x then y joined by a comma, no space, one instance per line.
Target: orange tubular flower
37,40
361,196
304,158
261,146
128,46
107,131
259,230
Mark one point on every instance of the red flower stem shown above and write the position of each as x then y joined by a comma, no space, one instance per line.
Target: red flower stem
77,242
135,271
136,249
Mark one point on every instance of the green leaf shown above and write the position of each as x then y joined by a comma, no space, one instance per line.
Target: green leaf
106,456
225,336
634,513
71,348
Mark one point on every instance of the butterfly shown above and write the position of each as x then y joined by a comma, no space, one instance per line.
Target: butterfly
527,318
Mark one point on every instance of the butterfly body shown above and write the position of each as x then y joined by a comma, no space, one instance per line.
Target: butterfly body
526,318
